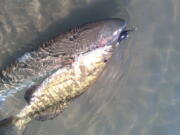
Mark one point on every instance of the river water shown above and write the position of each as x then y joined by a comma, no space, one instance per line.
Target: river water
137,94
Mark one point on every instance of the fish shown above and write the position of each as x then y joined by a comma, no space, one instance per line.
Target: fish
56,92
35,66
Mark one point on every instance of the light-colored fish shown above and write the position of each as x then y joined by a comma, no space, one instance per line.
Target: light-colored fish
53,95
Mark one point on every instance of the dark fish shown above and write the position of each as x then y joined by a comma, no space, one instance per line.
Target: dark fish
92,47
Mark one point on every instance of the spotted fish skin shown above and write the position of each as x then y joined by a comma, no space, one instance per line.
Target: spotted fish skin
59,89
65,84
36,65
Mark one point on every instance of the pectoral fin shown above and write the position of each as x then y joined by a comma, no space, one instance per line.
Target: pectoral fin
29,93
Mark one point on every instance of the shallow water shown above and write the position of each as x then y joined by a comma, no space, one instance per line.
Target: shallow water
138,93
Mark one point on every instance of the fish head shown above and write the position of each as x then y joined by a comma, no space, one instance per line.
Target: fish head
97,34
108,33
104,35
113,31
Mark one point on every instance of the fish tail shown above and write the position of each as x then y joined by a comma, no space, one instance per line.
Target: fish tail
7,126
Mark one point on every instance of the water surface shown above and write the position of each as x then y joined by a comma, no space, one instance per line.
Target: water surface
138,93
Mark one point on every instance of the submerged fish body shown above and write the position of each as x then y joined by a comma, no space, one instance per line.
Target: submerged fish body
65,84
58,90
36,65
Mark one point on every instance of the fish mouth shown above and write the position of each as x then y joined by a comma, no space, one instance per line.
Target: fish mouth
122,33
125,34
116,34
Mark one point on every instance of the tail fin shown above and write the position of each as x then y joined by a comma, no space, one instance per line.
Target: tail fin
7,127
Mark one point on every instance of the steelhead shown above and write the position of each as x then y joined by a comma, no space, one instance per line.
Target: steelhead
93,46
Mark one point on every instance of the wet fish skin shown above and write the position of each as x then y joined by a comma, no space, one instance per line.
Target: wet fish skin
57,91
56,53
62,87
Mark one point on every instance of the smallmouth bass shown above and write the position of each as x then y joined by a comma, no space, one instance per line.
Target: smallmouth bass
49,98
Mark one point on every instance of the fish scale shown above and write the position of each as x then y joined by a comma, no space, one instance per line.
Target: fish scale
83,56
64,85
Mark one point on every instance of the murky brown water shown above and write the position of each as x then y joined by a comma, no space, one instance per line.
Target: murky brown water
139,92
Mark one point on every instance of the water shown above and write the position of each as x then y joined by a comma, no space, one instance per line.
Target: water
138,94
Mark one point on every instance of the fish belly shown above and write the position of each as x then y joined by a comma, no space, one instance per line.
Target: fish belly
64,85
